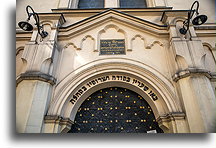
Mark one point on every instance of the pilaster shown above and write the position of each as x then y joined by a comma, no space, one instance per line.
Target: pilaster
191,78
35,84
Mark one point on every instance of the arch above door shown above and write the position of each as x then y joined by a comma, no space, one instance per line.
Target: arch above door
140,78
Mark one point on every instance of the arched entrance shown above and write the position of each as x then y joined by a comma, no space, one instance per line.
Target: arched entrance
145,81
115,110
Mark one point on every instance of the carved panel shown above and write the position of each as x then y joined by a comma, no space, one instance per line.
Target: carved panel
138,42
88,43
111,31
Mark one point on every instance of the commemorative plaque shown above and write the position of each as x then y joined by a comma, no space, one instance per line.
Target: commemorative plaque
112,47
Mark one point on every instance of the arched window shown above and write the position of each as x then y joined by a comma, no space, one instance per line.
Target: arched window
133,4
86,4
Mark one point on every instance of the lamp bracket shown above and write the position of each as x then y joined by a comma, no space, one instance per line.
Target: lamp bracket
35,15
199,19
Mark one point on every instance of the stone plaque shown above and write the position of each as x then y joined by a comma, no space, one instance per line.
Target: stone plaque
111,47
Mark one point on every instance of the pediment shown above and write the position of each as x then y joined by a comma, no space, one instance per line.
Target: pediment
112,15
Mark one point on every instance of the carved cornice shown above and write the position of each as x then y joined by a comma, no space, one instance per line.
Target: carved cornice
53,16
127,10
66,32
54,119
209,27
192,71
36,76
173,13
57,119
171,117
165,120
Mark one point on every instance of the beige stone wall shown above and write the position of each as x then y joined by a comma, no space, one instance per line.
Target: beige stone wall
179,69
140,46
206,7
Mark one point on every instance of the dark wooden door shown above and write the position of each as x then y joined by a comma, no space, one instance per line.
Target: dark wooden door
115,110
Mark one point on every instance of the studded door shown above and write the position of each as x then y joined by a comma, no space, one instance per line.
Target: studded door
115,110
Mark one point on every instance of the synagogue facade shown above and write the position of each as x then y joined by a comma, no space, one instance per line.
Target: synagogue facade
115,66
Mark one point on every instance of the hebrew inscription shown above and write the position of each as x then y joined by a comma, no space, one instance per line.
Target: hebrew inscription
141,85
112,47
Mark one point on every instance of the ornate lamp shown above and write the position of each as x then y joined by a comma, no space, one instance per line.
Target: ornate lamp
198,20
26,26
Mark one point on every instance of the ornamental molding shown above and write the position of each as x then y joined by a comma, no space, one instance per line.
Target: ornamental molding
192,71
36,76
111,15
64,123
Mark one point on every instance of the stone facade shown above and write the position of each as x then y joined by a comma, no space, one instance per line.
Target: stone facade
178,69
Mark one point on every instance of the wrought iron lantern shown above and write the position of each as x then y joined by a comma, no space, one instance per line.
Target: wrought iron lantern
198,20
26,26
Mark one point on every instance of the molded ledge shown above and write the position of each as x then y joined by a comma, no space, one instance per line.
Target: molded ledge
165,120
171,117
36,76
192,71
65,123
55,119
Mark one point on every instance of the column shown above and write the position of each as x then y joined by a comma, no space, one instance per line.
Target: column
35,84
192,81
